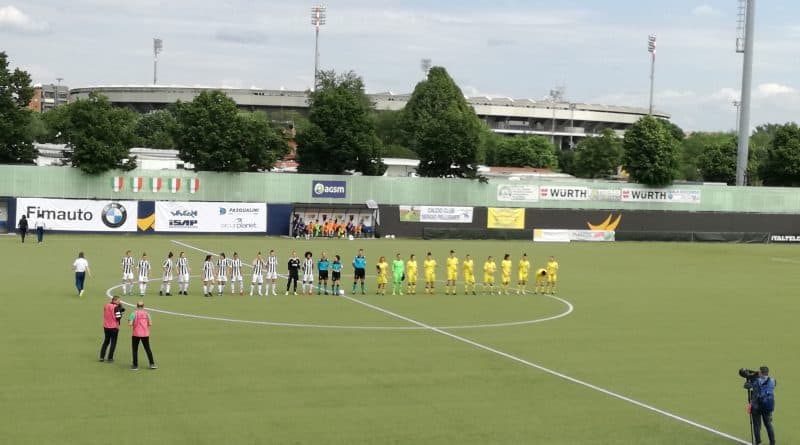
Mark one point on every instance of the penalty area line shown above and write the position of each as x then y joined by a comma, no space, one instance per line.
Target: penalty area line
549,371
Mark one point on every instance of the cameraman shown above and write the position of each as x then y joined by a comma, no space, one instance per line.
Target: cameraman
762,400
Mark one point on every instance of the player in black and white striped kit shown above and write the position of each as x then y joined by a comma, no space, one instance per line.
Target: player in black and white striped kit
222,273
308,274
166,281
183,273
236,274
144,274
272,272
258,275
127,273
208,276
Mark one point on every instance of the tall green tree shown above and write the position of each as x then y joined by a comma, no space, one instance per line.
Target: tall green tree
212,134
781,166
692,148
598,157
677,132
442,128
100,135
16,133
57,125
155,130
717,161
526,151
650,153
341,135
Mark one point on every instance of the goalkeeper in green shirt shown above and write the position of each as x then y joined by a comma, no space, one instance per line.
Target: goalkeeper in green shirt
398,274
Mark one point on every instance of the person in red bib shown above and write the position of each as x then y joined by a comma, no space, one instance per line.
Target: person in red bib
112,313
140,323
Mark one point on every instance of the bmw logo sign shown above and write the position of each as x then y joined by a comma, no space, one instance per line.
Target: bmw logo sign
319,188
114,215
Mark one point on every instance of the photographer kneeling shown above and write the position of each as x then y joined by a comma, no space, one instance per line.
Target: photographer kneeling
762,403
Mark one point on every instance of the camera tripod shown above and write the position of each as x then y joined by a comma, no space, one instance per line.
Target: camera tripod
750,415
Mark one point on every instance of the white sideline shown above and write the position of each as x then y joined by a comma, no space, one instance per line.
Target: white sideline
549,371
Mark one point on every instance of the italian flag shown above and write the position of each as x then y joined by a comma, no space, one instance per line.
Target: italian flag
116,183
136,183
175,185
155,183
194,185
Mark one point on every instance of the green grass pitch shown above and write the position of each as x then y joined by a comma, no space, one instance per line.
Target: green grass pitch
664,324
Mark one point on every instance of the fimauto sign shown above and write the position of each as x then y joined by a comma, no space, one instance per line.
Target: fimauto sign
328,189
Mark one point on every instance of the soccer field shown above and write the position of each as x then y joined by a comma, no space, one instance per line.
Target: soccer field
644,339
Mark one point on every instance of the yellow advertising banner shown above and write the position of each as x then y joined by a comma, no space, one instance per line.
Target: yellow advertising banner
504,218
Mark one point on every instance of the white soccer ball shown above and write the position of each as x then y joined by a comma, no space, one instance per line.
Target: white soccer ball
341,291
351,238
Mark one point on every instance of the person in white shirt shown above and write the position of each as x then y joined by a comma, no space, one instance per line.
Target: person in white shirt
39,224
81,268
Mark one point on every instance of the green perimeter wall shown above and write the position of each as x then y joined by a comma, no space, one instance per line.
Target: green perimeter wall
65,182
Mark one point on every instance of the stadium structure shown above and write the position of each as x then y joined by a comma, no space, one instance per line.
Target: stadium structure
565,122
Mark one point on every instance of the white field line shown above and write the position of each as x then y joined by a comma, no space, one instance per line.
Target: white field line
549,371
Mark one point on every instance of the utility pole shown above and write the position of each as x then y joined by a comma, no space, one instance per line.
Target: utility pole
651,48
158,45
747,80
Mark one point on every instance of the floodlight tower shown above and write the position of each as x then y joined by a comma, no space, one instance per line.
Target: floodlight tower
425,65
158,46
744,44
318,15
651,48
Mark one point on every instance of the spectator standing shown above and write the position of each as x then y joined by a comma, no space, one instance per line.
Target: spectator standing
140,323
81,268
22,226
39,224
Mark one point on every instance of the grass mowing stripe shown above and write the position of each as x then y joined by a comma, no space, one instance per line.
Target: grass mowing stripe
549,371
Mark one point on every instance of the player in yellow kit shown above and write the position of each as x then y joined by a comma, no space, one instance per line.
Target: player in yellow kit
505,272
489,268
541,281
522,273
552,275
383,275
469,275
452,273
429,267
411,275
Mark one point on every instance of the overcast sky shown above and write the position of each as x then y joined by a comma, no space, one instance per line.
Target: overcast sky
510,48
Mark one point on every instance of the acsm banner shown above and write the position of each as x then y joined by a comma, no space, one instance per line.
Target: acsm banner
80,215
215,217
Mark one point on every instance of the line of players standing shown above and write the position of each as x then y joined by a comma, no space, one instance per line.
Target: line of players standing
228,272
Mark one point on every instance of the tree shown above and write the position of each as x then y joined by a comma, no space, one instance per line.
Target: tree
692,148
100,135
566,162
341,136
717,161
674,130
16,137
650,153
598,157
442,128
526,151
781,166
155,130
57,125
489,146
760,141
212,134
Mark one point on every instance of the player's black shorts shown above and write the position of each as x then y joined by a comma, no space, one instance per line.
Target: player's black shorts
360,273
293,275
336,276
323,275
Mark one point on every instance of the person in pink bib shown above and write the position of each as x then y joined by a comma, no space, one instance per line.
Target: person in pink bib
112,313
140,323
